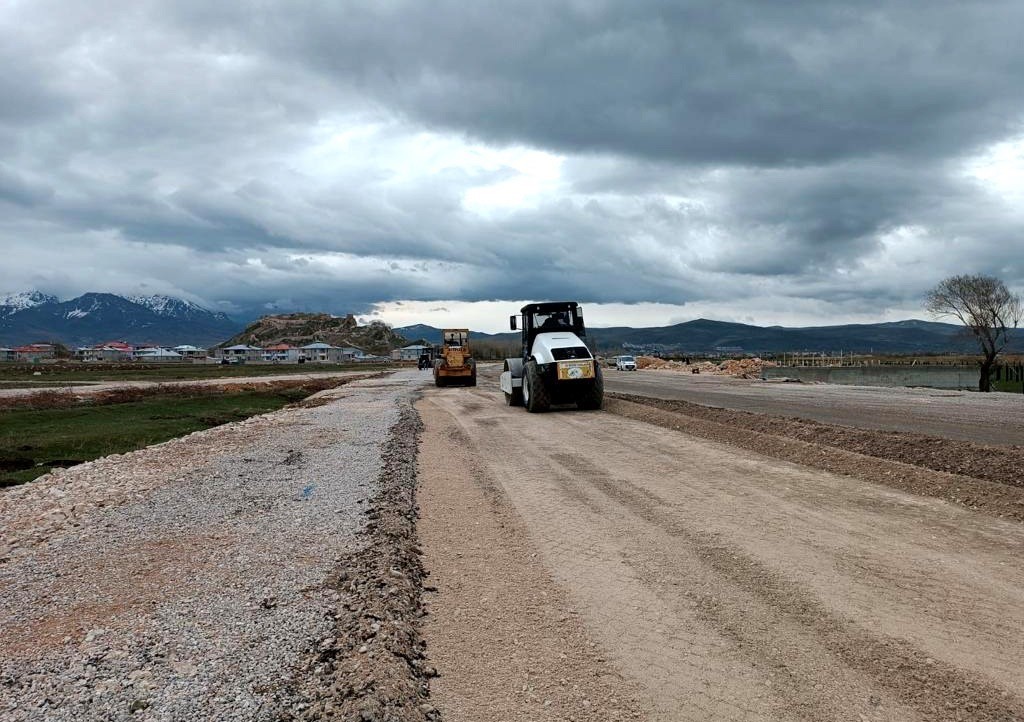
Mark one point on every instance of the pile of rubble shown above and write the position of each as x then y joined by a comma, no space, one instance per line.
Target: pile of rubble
661,364
744,368
747,368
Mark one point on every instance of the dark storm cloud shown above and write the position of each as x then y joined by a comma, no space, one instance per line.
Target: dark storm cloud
730,82
323,154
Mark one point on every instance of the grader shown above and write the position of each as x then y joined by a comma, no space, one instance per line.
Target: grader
454,364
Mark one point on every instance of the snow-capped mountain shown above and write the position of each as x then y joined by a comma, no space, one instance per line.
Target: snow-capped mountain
97,317
14,302
171,307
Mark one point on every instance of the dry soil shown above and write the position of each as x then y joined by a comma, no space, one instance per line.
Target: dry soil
717,582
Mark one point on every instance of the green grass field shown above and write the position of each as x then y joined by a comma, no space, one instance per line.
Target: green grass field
23,375
34,441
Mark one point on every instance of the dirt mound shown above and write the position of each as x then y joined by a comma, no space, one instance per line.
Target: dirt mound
374,666
746,368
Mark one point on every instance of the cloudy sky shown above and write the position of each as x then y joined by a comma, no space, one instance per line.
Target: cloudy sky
798,163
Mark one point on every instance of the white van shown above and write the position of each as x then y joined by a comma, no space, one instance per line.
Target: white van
625,363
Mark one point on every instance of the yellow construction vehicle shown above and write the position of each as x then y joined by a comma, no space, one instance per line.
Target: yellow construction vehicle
454,364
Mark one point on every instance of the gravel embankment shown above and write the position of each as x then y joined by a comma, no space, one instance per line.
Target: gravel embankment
187,581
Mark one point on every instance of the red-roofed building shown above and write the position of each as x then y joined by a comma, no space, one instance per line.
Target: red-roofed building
114,351
117,345
34,352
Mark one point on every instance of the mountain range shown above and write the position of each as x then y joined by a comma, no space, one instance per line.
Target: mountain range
96,317
704,336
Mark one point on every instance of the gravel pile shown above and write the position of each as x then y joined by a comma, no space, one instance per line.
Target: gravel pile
187,581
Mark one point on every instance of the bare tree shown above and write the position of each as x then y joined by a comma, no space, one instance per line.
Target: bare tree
985,307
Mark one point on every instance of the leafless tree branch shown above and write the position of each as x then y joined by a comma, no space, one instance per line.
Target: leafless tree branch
985,306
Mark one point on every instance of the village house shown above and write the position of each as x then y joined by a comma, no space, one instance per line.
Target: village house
158,355
8,354
122,346
281,353
240,353
109,351
408,353
351,353
190,352
35,352
323,353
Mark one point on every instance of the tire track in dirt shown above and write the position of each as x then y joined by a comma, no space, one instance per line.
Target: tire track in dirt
734,586
506,642
936,690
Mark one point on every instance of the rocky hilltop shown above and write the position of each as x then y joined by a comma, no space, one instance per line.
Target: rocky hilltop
299,329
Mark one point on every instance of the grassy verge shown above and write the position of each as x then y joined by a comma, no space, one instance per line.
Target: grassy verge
23,375
42,384
33,441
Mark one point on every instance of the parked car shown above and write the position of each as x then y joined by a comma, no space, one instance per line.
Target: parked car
625,363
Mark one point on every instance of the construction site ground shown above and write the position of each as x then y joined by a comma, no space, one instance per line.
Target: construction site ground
996,418
594,566
654,561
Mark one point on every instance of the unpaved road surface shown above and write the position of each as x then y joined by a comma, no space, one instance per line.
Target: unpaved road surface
83,388
996,418
186,581
711,582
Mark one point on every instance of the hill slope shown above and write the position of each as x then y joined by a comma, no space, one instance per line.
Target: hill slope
299,329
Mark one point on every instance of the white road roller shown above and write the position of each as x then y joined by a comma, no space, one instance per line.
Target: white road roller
555,367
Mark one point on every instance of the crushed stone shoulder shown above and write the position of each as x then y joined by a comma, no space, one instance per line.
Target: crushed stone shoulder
189,580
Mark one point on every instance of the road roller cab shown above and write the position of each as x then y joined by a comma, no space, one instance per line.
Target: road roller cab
555,367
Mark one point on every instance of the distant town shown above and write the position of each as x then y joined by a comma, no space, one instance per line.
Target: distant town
280,353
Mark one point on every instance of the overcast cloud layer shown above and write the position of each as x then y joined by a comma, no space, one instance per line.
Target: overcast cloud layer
796,163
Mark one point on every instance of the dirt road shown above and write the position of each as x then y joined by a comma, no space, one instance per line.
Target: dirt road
996,418
582,557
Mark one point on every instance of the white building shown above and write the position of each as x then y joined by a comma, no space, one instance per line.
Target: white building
103,353
190,352
241,352
158,355
352,353
281,353
409,353
324,353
